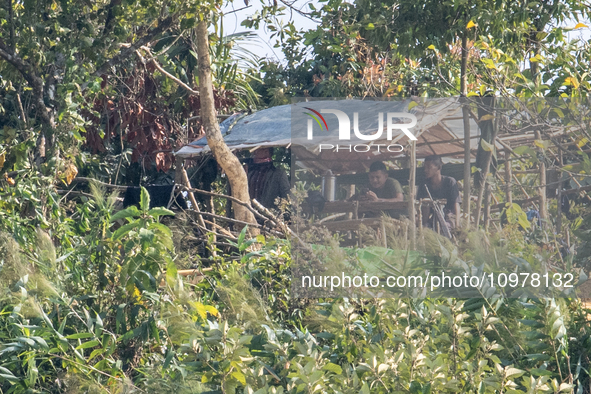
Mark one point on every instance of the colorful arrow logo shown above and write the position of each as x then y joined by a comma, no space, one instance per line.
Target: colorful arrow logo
316,118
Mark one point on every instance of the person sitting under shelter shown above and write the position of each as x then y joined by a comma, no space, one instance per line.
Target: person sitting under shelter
381,187
266,182
440,187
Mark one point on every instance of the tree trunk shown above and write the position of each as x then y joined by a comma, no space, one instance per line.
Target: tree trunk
225,158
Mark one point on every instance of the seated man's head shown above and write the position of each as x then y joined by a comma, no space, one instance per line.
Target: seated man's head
433,166
378,174
263,155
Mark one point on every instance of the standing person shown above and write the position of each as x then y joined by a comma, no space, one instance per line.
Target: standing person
441,187
266,182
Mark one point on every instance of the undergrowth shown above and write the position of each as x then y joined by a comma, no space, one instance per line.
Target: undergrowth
105,312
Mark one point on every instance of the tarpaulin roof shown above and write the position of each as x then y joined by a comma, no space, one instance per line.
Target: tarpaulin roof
439,130
269,127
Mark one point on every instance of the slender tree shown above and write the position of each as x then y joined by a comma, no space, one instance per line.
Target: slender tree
224,156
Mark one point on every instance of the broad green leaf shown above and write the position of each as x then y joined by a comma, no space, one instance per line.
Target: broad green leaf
171,273
487,146
513,372
241,237
80,335
200,308
126,213
364,389
87,345
6,374
155,212
582,141
566,386
212,310
125,229
333,368
95,352
41,342
239,376
146,236
169,355
144,200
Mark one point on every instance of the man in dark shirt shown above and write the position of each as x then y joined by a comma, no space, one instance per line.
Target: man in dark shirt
265,181
381,187
441,187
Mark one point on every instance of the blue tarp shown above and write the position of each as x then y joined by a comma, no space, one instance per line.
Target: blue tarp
437,120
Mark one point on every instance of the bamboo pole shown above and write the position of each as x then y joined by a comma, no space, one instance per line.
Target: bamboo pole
192,197
466,121
487,194
508,176
412,194
542,191
467,169
484,181
559,198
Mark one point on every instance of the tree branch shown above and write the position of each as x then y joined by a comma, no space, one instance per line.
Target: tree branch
29,74
167,74
163,26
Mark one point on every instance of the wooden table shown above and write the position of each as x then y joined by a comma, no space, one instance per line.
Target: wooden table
358,207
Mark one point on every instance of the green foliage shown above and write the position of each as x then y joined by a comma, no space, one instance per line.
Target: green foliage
106,312
90,298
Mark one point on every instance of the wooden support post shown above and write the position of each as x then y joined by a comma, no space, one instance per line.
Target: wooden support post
542,188
412,194
487,195
351,193
178,166
467,168
559,198
508,176
484,182
192,197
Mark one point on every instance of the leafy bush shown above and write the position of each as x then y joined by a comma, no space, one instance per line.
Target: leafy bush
105,312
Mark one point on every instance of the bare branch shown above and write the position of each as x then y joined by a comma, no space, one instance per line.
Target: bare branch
166,73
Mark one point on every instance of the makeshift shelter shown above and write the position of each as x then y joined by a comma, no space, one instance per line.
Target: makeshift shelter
439,131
